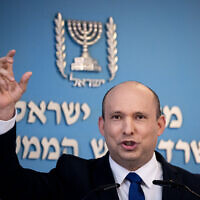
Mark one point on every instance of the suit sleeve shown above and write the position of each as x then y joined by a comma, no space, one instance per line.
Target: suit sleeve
19,183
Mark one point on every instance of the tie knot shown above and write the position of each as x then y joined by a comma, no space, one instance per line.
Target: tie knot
133,177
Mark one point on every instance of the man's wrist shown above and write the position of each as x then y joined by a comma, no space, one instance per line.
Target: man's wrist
7,113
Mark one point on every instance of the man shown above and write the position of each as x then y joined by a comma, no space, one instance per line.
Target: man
130,123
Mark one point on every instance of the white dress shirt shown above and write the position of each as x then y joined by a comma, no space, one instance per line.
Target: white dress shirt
150,171
5,126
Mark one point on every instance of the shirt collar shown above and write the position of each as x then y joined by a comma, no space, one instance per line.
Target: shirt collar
119,172
147,172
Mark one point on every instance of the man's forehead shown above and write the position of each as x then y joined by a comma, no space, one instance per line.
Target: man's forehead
130,87
131,96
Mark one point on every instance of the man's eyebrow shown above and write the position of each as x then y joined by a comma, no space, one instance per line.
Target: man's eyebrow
141,113
133,114
115,112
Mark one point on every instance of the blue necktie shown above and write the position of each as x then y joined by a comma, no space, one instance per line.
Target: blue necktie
135,190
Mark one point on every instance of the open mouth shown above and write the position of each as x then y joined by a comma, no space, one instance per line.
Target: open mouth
129,145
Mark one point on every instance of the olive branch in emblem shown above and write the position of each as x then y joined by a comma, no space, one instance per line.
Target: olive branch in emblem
112,48
60,46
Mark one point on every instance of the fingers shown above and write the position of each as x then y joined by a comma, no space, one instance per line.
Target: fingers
11,53
8,59
7,62
5,77
3,84
7,81
4,73
24,81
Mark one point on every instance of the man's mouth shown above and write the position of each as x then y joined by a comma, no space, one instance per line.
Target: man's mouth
129,145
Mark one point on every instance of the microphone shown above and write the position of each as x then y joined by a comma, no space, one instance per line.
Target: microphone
173,184
102,188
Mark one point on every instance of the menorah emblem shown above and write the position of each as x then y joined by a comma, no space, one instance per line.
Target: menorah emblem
85,33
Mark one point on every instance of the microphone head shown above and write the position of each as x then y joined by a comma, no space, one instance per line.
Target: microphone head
161,182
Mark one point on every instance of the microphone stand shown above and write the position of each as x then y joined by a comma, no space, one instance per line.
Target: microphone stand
173,184
102,188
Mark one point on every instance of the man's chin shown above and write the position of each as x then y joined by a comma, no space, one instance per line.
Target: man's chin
129,157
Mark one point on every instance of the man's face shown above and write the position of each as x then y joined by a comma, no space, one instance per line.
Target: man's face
130,126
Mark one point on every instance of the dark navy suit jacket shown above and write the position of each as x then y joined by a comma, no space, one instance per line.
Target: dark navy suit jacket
73,178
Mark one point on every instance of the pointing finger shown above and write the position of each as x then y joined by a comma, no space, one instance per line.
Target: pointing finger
24,80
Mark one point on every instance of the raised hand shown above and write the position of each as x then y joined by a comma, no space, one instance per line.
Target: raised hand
10,90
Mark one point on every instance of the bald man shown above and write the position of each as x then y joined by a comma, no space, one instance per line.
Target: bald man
131,122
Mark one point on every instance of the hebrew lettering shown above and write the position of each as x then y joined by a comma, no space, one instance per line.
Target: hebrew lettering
169,113
86,109
27,144
70,143
53,142
184,146
99,147
55,107
168,147
71,112
196,150
21,108
36,111
18,144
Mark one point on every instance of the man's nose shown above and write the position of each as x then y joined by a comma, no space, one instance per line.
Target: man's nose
129,127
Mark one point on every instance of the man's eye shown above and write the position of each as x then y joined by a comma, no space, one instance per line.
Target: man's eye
116,117
140,117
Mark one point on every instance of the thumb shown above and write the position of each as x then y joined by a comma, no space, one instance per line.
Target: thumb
24,81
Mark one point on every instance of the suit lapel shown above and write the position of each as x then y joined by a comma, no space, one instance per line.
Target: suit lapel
102,175
169,173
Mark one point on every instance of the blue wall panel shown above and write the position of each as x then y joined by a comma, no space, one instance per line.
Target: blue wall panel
158,45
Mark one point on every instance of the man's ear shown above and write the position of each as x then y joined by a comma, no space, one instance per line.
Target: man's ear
161,124
101,125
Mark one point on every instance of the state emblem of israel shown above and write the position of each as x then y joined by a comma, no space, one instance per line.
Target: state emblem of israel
85,33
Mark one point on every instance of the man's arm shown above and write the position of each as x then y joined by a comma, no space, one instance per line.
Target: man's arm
15,181
10,90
